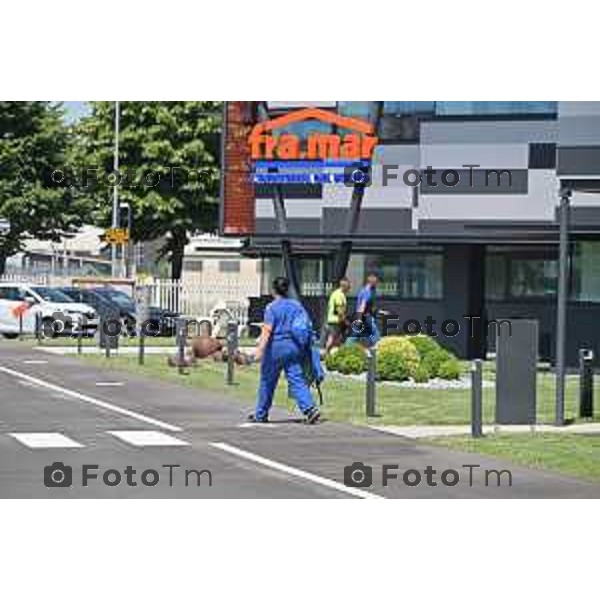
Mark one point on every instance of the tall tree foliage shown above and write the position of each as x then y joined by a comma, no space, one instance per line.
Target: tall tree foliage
168,166
33,143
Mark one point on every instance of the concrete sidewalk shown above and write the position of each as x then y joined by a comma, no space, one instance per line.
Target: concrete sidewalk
415,432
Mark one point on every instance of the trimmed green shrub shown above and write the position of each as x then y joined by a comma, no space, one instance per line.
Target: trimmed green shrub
422,373
397,358
450,369
432,355
350,358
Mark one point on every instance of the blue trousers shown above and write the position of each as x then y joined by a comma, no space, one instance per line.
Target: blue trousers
282,355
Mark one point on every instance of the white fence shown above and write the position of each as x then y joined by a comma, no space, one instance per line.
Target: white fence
36,279
200,298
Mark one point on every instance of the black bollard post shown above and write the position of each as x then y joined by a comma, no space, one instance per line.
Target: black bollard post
232,346
586,384
38,327
371,382
476,398
20,325
79,334
181,338
141,345
107,340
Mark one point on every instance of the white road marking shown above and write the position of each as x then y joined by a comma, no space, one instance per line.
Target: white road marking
260,425
109,383
35,362
148,438
45,440
90,400
267,462
28,384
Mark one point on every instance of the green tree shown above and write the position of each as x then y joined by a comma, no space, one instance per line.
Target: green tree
168,165
33,143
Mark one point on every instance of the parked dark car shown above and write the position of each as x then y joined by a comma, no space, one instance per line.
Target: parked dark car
109,302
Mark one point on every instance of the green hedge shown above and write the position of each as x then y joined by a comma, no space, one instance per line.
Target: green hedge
398,358
433,356
348,359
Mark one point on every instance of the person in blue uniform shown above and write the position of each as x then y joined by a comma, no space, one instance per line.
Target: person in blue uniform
278,350
364,326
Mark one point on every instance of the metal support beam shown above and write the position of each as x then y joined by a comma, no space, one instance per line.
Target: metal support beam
286,246
561,305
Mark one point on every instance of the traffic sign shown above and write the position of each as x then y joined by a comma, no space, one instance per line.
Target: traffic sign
116,236
4,225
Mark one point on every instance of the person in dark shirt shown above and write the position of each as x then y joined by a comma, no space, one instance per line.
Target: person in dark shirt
364,326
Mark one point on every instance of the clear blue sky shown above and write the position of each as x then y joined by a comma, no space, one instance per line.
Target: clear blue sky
75,110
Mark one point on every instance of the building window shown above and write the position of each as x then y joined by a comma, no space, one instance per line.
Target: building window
229,266
586,271
533,277
542,155
495,108
400,108
409,275
517,272
358,110
496,276
193,266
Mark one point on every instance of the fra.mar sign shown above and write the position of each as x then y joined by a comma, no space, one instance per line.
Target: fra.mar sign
356,143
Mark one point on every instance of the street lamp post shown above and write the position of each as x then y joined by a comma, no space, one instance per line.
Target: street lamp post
561,305
127,254
115,210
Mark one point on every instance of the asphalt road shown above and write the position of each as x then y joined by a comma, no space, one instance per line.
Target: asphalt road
113,426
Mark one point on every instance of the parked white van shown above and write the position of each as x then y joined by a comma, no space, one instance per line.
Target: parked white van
22,301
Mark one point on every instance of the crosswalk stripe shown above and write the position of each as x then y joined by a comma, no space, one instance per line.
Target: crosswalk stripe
148,438
45,440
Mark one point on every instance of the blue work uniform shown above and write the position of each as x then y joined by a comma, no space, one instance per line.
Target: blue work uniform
367,296
282,352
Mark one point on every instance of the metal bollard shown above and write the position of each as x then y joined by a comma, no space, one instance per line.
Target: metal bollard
477,398
141,345
38,327
371,380
79,334
586,384
180,325
20,325
107,341
232,346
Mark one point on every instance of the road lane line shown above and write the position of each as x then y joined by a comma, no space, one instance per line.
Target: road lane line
90,400
148,438
45,440
267,462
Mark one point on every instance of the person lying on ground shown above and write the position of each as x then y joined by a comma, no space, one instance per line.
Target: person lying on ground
203,347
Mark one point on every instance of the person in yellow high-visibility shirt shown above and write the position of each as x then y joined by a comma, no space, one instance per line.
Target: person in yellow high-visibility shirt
336,315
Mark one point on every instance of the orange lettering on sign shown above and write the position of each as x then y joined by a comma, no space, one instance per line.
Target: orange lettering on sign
319,146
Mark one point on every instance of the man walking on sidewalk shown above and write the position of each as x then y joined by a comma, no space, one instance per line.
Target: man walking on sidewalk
336,315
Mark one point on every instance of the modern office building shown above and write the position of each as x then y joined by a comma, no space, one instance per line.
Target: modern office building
477,236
